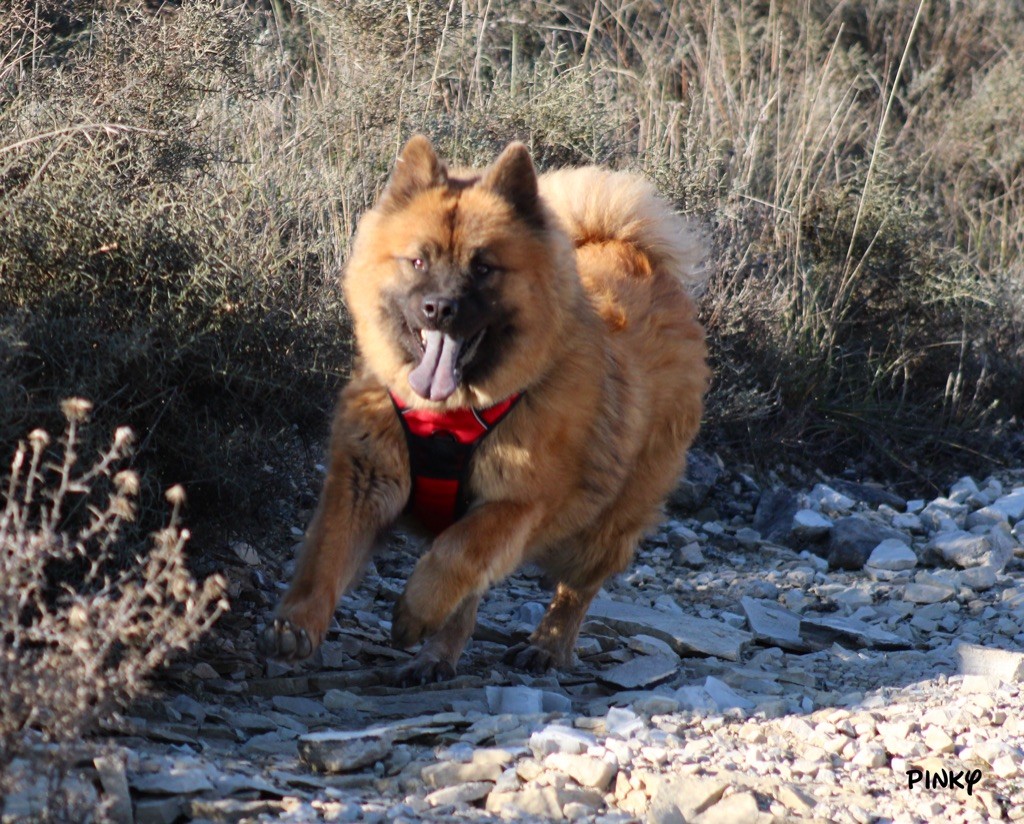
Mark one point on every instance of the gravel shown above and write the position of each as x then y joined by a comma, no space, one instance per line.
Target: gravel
793,654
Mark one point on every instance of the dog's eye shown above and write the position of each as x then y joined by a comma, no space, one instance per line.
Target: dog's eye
481,269
419,264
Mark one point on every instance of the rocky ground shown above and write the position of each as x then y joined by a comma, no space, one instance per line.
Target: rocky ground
835,654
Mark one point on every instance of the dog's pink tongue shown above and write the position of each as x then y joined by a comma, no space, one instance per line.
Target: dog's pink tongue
435,378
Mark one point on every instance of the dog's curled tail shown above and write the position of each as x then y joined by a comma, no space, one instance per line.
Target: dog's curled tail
597,205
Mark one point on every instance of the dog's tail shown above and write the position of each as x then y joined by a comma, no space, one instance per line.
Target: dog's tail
596,205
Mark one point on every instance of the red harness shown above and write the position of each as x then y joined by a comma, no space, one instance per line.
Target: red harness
441,445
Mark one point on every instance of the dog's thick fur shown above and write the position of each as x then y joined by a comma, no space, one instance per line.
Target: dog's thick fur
582,295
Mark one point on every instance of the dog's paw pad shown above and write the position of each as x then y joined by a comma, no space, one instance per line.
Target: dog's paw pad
284,641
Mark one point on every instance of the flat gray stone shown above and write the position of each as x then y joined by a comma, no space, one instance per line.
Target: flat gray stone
521,700
687,634
172,780
774,624
825,631
296,705
991,662
336,751
340,752
234,809
924,593
158,810
641,672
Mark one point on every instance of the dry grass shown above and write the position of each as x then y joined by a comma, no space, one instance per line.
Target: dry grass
177,191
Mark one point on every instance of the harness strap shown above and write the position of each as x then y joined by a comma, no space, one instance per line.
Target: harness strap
441,446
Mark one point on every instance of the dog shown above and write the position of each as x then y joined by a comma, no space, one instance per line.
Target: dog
530,375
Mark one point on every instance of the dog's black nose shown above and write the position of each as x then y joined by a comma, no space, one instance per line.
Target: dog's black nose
439,310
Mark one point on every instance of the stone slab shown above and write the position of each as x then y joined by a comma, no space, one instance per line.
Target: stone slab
687,634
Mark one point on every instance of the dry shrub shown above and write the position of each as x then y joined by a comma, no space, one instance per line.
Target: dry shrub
81,632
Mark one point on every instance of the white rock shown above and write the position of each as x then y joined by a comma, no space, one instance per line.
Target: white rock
449,773
585,770
938,740
695,698
623,723
943,515
963,549
985,517
724,696
556,738
907,521
825,498
963,489
980,578
809,525
246,553
991,662
739,808
871,756
892,555
1011,505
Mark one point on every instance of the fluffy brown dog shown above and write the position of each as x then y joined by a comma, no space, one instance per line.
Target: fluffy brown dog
554,311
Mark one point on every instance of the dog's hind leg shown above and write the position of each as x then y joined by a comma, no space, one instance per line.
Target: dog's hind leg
439,655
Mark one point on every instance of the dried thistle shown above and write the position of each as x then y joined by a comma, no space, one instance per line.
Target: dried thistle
76,410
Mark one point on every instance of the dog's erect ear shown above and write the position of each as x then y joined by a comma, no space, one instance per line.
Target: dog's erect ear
513,177
418,168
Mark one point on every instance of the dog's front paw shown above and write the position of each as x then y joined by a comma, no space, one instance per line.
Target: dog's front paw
530,658
285,641
423,669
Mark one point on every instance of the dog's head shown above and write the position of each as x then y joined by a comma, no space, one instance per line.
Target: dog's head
460,282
